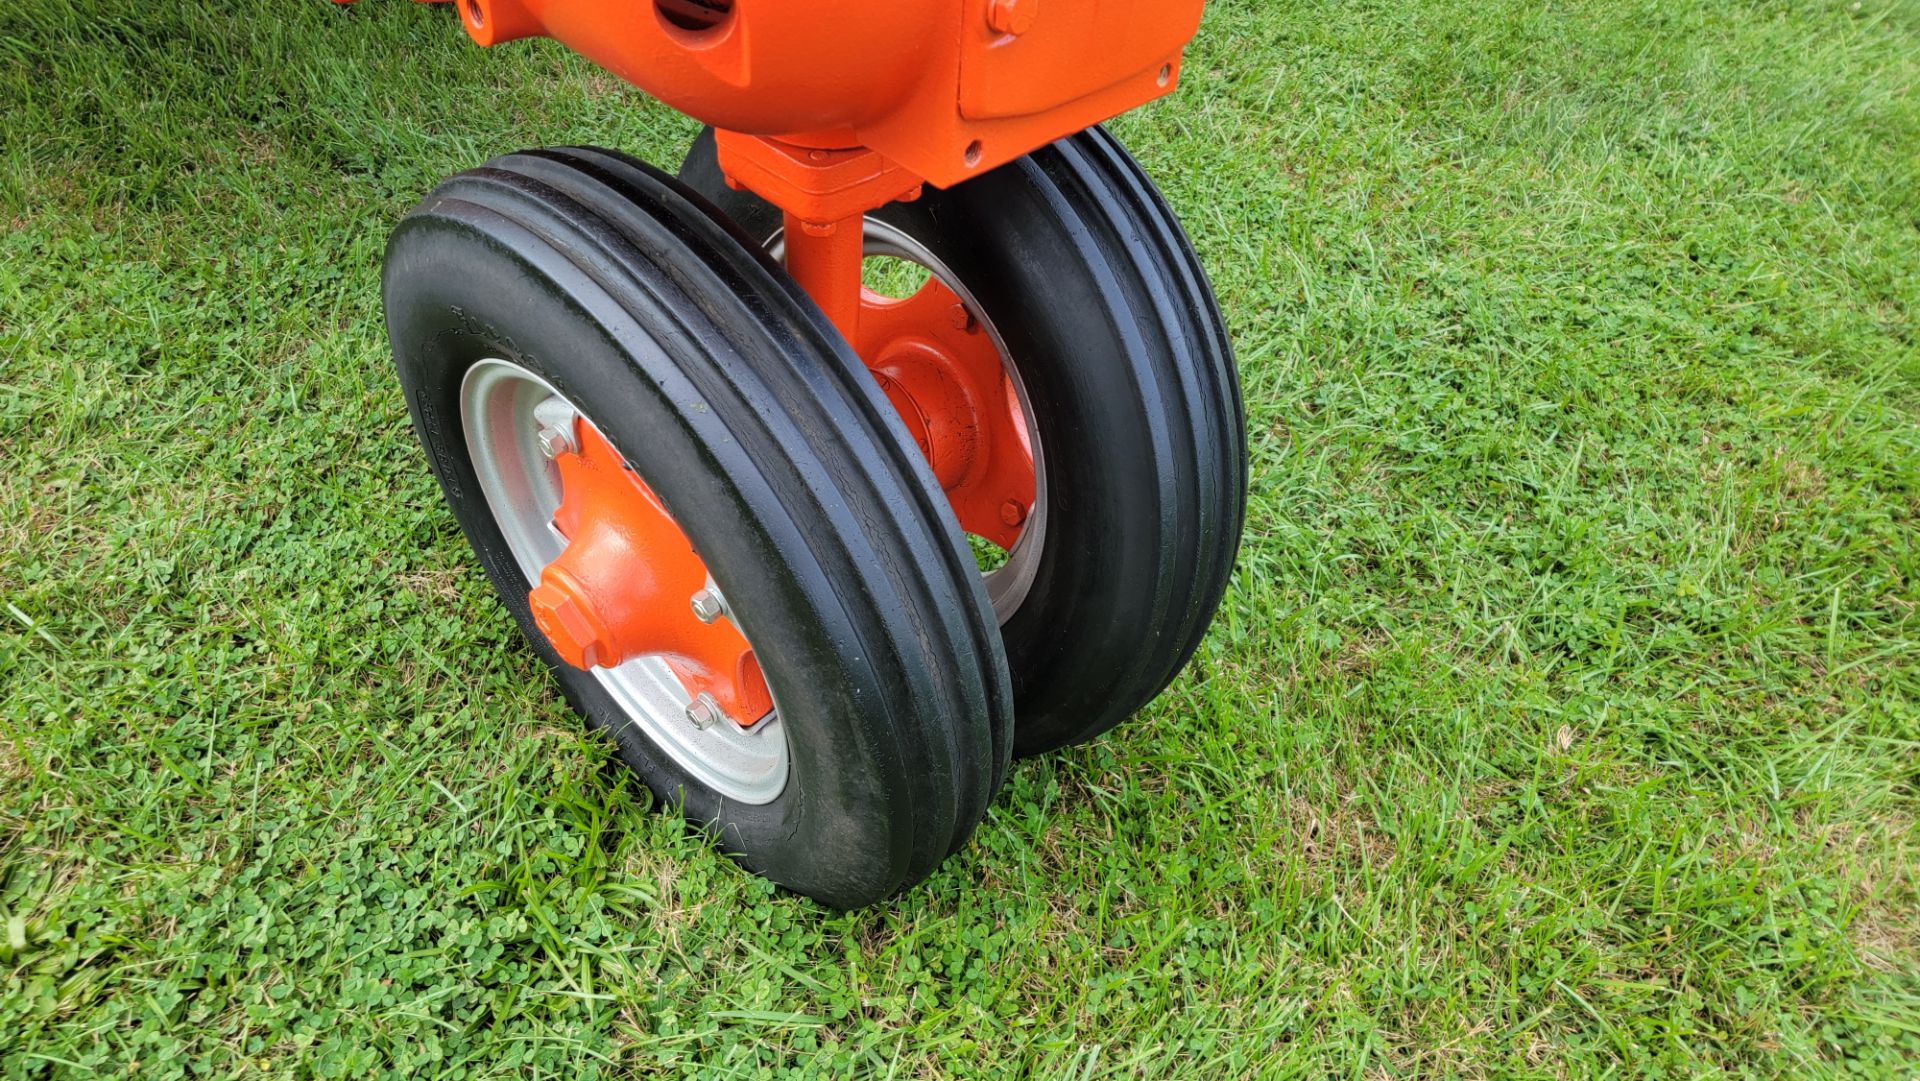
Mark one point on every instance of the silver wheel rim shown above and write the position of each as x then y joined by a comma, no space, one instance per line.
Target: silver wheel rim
522,489
1008,584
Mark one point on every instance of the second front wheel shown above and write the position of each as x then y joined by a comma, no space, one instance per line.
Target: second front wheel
1111,384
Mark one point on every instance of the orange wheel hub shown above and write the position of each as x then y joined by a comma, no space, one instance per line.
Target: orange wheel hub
940,369
624,587
945,377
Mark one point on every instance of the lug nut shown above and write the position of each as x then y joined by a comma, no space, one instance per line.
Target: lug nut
707,606
555,441
1013,512
703,711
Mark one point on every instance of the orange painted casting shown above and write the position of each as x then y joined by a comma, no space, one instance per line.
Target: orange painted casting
944,89
625,584
944,376
814,184
824,258
939,368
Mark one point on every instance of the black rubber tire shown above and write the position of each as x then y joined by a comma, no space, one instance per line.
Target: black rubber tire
1113,329
762,432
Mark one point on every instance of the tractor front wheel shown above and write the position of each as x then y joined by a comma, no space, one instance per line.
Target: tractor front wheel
701,511
1122,394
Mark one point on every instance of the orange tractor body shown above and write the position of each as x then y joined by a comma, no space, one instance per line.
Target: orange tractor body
942,89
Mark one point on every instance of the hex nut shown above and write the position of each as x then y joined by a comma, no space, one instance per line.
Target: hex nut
707,606
703,712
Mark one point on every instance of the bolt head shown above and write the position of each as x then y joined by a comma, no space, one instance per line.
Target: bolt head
555,441
1013,512
707,606
703,712
1012,16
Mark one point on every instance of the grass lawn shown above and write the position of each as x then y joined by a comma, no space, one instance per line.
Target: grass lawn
1563,719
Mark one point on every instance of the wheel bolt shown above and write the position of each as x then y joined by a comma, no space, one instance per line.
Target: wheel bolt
555,441
707,606
1013,512
703,711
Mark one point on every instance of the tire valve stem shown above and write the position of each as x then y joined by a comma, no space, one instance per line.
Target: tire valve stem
703,711
708,606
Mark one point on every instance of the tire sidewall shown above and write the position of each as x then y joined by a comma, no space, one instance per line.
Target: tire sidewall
1041,289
